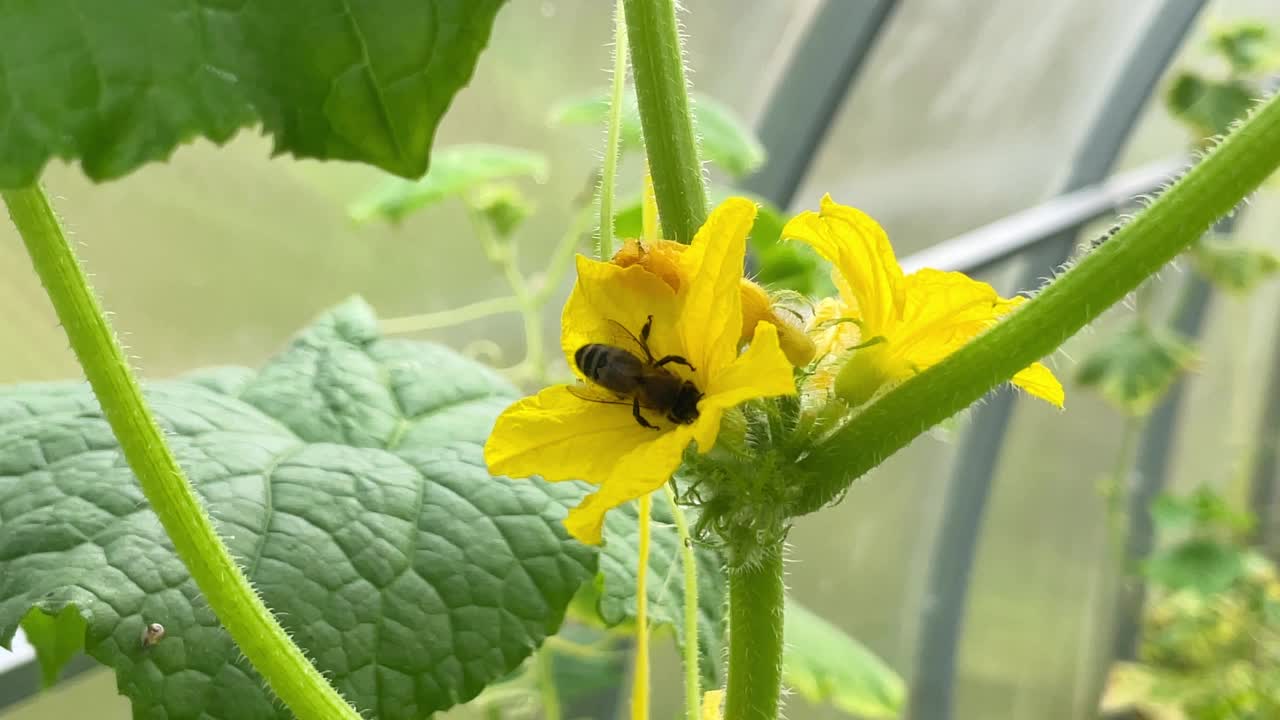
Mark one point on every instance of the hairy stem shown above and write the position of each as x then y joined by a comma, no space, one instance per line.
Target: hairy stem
613,134
266,645
640,683
755,639
692,679
1172,222
657,67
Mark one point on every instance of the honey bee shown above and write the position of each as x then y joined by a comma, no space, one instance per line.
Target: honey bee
642,382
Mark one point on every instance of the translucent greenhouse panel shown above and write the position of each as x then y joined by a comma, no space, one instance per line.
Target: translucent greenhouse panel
961,117
990,128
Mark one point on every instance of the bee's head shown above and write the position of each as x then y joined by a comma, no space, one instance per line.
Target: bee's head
685,409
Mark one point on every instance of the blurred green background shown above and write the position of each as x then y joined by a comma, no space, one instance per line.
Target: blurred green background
959,118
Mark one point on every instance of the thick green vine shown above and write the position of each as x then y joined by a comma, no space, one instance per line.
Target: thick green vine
657,65
264,642
1179,216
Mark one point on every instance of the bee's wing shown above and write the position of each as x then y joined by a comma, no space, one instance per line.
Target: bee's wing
623,337
597,394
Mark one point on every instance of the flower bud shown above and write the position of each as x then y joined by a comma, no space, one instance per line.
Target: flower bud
757,306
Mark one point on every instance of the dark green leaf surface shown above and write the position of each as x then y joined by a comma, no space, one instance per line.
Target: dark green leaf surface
455,170
726,141
665,588
825,665
121,83
346,475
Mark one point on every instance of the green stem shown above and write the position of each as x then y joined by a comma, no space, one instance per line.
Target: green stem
453,316
755,639
550,694
640,681
657,67
692,679
1173,221
266,645
614,134
562,256
503,255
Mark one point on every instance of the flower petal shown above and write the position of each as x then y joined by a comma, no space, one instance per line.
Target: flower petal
711,318
1039,381
943,312
642,470
608,302
762,371
859,249
560,436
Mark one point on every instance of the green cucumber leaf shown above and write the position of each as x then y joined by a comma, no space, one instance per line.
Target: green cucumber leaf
346,476
1135,368
122,83
57,639
1235,267
825,665
1208,106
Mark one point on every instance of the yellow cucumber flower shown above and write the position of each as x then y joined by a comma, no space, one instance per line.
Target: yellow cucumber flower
662,258
574,432
885,326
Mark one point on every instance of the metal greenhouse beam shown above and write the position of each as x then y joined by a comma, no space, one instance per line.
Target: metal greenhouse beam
969,485
814,85
986,246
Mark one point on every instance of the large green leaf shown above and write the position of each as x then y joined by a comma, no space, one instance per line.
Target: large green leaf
824,665
346,475
725,139
454,171
665,582
120,83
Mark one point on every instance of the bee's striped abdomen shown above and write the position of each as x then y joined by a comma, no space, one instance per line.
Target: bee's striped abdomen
592,359
610,367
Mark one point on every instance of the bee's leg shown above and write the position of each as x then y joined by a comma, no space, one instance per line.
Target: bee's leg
635,412
677,359
644,338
